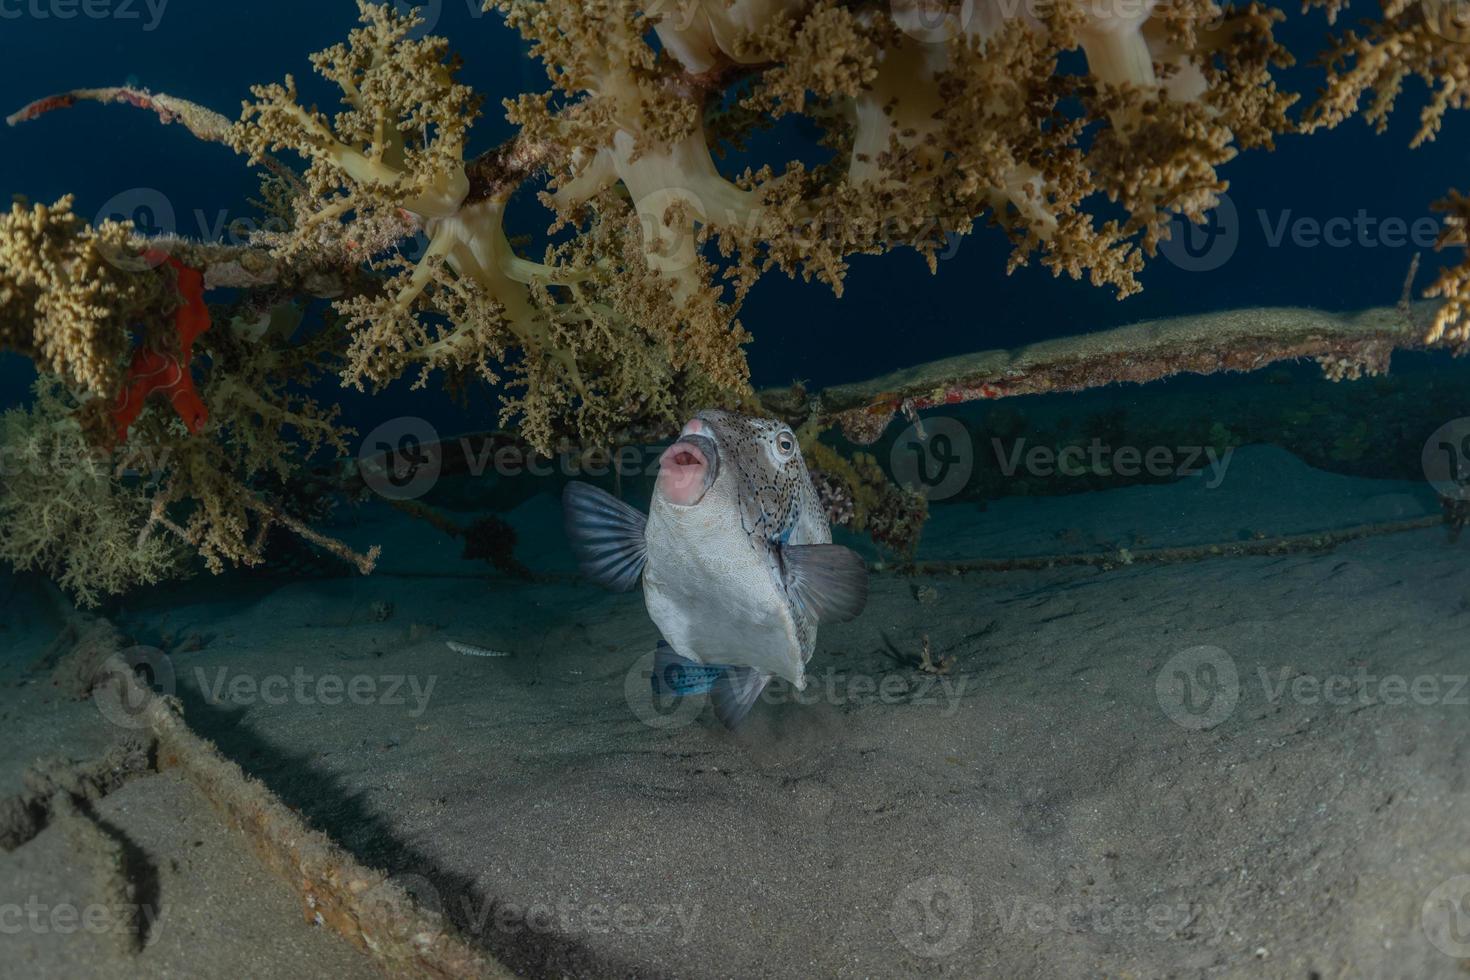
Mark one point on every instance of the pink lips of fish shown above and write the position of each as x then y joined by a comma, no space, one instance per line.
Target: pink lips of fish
683,469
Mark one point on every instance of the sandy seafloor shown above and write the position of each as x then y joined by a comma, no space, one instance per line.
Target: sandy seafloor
1040,812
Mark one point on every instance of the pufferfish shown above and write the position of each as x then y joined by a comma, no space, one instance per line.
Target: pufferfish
735,557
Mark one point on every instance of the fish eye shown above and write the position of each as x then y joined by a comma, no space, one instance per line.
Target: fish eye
785,443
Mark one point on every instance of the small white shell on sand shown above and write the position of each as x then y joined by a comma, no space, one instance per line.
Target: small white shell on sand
473,651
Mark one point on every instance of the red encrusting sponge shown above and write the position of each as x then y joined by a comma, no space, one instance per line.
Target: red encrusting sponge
153,371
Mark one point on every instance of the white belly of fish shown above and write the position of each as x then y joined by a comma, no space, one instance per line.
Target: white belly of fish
715,597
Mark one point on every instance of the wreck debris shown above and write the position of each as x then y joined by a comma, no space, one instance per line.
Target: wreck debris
26,814
337,892
927,663
1346,344
369,909
488,538
1317,541
1405,305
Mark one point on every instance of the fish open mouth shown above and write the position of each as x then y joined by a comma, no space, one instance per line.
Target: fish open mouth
687,469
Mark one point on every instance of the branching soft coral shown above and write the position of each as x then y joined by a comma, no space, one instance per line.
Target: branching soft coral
74,298
1407,40
69,293
390,162
67,510
220,494
393,162
1411,38
638,123
940,113
933,129
940,121
1452,321
103,519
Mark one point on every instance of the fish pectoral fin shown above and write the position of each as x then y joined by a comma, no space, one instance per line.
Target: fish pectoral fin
735,693
607,536
830,581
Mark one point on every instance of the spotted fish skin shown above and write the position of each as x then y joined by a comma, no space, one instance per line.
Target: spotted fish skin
778,502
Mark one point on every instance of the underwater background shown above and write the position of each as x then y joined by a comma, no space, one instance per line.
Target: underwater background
1205,717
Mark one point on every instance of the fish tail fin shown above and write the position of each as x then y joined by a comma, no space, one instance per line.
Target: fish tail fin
679,676
735,693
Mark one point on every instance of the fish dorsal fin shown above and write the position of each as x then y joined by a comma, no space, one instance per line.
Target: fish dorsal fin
734,694
830,581
607,536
